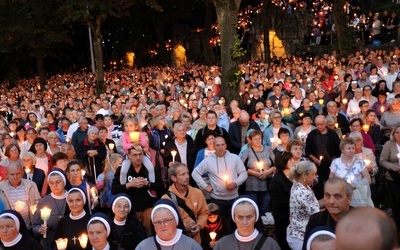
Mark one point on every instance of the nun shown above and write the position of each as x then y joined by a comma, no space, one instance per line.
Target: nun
74,224
56,201
245,214
99,230
13,233
126,230
169,229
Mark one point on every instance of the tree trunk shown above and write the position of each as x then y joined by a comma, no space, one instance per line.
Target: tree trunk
159,23
40,63
227,20
266,20
205,35
343,34
98,56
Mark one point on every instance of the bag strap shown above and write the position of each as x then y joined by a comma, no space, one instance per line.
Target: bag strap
260,243
254,152
156,243
348,170
181,204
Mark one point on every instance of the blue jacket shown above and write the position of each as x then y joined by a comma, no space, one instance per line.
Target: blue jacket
269,133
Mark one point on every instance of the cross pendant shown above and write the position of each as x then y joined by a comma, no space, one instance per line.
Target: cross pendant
74,239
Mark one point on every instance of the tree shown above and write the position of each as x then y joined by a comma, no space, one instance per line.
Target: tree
344,37
227,21
33,26
93,13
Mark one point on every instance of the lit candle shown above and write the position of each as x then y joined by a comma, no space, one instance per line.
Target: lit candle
398,155
83,239
68,140
27,171
365,128
225,178
321,102
83,172
301,114
173,153
213,235
38,125
19,205
336,125
45,215
320,158
286,111
134,136
195,116
111,146
260,166
33,208
277,102
344,101
220,102
367,162
93,191
382,109
62,243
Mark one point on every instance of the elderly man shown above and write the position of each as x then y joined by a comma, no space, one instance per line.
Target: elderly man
192,204
238,129
81,133
333,109
133,179
322,146
366,228
19,194
74,126
337,198
226,172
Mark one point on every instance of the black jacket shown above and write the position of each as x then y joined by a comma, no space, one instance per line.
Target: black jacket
235,134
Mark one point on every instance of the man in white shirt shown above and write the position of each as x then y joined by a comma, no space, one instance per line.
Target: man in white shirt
105,108
391,76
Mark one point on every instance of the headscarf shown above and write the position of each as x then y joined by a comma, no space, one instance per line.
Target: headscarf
104,219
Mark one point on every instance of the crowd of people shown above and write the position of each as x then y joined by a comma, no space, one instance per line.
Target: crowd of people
162,160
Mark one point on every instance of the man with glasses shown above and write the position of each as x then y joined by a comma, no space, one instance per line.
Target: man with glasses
133,180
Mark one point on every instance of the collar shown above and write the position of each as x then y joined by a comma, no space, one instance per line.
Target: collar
119,223
77,217
13,242
59,197
171,242
86,142
251,237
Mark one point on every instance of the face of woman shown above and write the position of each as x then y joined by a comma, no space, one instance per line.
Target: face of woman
256,141
97,235
297,151
56,184
107,121
284,138
53,140
210,141
92,136
371,117
14,153
32,117
309,177
75,203
121,209
245,218
349,150
164,224
27,162
396,135
39,147
8,230
74,172
103,134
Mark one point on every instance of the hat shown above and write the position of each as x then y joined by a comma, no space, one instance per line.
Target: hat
321,230
57,172
103,218
37,141
247,200
121,197
93,129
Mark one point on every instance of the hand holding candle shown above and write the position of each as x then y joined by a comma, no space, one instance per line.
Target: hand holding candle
62,243
93,191
213,235
45,215
225,178
111,146
173,153
260,166
83,239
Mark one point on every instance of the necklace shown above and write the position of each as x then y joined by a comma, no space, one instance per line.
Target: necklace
60,212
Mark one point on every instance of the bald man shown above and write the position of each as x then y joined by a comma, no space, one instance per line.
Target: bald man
322,146
366,228
238,129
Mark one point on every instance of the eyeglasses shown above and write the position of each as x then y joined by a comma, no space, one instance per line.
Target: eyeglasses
277,117
164,222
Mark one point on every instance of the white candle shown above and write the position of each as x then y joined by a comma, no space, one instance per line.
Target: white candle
19,205
83,239
62,243
213,235
225,178
173,153
260,166
45,215
83,172
134,136
111,146
27,171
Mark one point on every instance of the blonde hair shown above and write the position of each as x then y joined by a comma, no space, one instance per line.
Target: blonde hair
108,166
132,119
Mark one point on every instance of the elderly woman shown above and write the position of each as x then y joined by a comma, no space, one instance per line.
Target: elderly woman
353,108
390,161
39,147
13,233
258,160
54,145
270,137
56,180
126,231
245,214
99,230
390,118
364,154
169,229
331,123
289,116
32,173
92,152
353,170
73,224
302,202
12,152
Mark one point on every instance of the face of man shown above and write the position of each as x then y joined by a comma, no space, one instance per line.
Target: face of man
320,123
136,157
14,175
83,124
244,120
220,146
336,200
182,176
211,119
